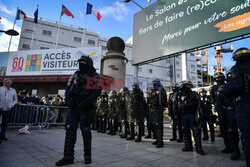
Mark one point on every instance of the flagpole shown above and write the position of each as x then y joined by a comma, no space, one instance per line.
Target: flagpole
57,36
33,32
13,29
84,32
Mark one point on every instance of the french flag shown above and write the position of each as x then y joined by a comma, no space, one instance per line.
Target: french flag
92,10
20,15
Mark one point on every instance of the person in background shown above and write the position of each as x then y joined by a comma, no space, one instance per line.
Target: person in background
8,98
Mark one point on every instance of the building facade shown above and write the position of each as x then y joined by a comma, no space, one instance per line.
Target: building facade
44,36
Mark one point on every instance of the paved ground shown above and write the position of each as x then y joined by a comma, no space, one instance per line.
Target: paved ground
44,149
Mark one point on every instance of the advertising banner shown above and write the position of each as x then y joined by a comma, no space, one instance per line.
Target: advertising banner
169,27
50,62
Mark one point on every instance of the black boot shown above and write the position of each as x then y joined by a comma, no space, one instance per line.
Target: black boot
99,125
104,126
149,128
233,138
211,127
139,136
113,127
154,131
227,146
187,140
68,149
65,161
159,136
174,138
86,135
125,129
204,129
180,139
197,139
132,131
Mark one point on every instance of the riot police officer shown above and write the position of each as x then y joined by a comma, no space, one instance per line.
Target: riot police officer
125,106
112,112
157,102
120,110
137,106
186,103
81,101
103,110
238,87
129,115
207,116
149,116
223,104
175,117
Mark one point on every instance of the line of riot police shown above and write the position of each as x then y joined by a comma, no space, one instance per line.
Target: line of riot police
190,111
125,111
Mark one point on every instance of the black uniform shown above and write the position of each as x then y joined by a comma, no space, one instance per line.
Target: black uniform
137,106
157,101
207,116
81,102
175,117
187,103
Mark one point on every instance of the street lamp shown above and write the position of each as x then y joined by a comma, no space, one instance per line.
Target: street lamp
134,3
10,32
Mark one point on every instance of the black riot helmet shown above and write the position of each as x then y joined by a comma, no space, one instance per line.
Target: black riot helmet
241,53
219,77
135,86
124,89
157,83
186,85
202,91
88,60
175,87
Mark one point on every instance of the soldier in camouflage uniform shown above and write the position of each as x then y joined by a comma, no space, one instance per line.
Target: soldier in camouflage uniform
123,114
120,110
157,103
102,112
112,112
137,106
129,115
150,123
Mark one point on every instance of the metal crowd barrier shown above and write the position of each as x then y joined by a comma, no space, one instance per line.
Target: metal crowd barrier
37,115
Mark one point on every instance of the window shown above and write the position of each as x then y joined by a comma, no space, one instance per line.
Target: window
191,54
193,78
43,48
167,61
150,71
77,39
47,32
104,48
91,42
26,46
28,30
192,66
177,63
139,69
178,75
